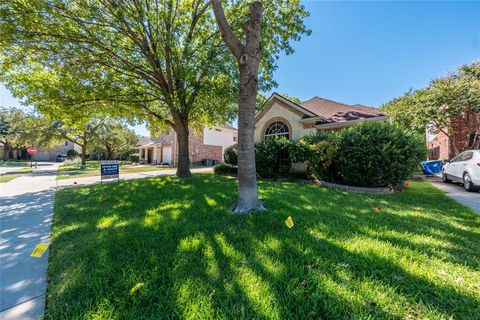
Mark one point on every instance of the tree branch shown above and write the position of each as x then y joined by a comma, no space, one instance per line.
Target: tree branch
225,30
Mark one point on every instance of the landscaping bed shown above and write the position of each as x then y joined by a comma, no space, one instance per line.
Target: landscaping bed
412,255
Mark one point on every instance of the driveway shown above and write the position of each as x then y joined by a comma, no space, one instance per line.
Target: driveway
26,210
457,192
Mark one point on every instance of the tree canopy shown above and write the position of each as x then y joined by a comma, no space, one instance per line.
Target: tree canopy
444,99
113,137
163,62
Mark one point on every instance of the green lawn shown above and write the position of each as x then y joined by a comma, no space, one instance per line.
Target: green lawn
90,165
14,163
418,258
96,172
24,170
7,178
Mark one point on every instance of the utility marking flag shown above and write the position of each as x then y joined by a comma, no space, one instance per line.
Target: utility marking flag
289,222
39,250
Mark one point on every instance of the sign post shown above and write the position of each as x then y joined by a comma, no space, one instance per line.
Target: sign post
31,151
109,170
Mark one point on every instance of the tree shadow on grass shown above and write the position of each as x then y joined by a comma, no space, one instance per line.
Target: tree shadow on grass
199,261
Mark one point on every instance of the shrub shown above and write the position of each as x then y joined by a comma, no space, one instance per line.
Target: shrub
375,155
134,157
272,156
321,159
225,169
72,153
72,162
315,150
230,155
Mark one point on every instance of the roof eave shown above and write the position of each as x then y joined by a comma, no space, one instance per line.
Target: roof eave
350,122
294,105
312,119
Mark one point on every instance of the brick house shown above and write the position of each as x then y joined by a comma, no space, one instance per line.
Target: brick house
205,146
464,135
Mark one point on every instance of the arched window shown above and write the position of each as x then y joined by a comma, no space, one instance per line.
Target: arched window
277,129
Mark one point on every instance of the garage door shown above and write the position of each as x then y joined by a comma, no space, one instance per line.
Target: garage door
167,155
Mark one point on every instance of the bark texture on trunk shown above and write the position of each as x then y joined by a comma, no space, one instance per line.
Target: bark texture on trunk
247,173
183,163
84,154
6,151
248,57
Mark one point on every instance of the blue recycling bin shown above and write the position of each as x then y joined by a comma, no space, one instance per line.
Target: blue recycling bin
432,167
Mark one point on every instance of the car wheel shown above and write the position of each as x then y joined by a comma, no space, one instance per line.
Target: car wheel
467,183
445,177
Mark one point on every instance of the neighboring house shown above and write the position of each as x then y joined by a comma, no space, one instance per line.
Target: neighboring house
50,153
205,147
282,117
43,154
463,135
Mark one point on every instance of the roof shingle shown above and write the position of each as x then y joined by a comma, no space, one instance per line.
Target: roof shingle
334,111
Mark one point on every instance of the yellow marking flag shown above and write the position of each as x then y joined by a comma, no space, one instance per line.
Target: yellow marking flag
289,222
137,287
39,250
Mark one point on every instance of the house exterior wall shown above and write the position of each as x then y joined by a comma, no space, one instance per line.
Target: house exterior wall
206,144
463,126
50,153
200,151
439,147
279,112
219,137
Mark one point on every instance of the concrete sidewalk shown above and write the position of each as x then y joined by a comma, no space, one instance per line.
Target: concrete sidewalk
457,192
25,220
26,211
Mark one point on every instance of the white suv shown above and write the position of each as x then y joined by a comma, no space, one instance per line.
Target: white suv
464,168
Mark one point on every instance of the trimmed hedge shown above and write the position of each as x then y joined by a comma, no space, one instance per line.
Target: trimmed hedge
370,154
225,169
268,155
72,153
230,155
134,157
374,154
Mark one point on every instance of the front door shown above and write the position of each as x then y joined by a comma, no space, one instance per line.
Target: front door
149,155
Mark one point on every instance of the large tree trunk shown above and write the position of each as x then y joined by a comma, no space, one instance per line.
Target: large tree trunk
6,151
248,58
247,173
183,161
83,154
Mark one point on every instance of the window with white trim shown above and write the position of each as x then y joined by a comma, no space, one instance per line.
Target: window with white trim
277,129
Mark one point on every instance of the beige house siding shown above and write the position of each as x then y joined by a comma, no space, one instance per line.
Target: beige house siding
280,112
50,153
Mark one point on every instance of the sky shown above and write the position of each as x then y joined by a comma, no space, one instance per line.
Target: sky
370,52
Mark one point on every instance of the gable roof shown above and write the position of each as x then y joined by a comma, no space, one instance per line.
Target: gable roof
334,112
323,110
284,102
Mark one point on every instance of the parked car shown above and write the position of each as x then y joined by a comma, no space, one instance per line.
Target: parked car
61,157
464,168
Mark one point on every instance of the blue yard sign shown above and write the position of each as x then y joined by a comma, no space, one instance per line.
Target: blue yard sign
109,170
